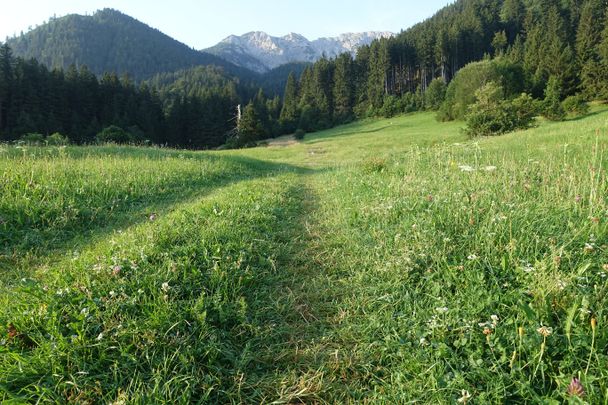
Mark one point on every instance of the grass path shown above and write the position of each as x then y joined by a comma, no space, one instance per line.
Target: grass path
387,261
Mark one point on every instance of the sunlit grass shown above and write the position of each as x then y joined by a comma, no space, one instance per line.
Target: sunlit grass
387,261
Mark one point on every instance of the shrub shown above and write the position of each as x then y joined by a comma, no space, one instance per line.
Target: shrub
32,139
300,134
435,94
410,102
390,108
493,115
575,105
460,94
114,134
57,139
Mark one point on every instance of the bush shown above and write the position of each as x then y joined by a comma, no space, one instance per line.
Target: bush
32,139
435,94
300,134
57,139
114,134
493,115
575,105
391,107
460,94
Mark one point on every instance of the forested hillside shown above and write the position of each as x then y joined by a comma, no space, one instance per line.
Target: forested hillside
109,41
567,40
524,45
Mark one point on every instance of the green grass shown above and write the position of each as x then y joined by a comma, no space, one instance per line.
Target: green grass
362,265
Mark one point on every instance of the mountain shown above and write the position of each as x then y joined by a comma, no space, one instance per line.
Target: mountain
261,52
110,41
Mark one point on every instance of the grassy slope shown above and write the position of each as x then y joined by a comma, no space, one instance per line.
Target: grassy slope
362,265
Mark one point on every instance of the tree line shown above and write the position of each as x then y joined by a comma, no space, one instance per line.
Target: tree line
79,105
536,40
534,43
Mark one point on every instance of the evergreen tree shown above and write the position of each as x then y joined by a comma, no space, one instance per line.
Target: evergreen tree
289,113
250,128
552,108
6,86
587,38
343,89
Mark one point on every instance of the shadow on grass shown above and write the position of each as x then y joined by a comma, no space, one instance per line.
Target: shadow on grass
25,245
585,116
319,138
240,364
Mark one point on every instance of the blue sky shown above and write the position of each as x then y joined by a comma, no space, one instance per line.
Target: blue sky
203,23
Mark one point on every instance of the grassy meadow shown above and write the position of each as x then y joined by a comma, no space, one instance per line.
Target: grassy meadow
382,262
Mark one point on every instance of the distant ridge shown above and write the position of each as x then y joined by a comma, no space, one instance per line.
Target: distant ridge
261,52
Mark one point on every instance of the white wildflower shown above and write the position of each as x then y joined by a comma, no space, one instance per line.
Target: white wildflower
472,257
165,287
465,396
442,310
466,168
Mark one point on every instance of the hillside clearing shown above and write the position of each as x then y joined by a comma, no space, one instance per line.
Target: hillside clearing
386,261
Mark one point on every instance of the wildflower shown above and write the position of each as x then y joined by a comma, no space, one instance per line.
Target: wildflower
605,267
116,270
495,319
545,331
152,217
165,287
442,310
487,331
99,337
589,247
84,311
465,168
472,257
12,331
423,342
112,293
575,389
464,397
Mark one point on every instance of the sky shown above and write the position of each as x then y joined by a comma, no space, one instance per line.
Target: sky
203,23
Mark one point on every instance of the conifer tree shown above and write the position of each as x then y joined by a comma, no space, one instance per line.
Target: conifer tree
343,89
289,113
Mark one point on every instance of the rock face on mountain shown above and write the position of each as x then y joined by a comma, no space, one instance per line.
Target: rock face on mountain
261,52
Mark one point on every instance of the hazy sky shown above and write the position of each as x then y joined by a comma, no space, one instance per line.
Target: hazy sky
203,23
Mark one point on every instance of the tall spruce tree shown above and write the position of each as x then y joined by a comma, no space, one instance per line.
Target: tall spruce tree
343,89
289,112
587,39
6,87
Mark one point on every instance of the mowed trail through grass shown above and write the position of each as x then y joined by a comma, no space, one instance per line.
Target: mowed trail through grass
387,261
